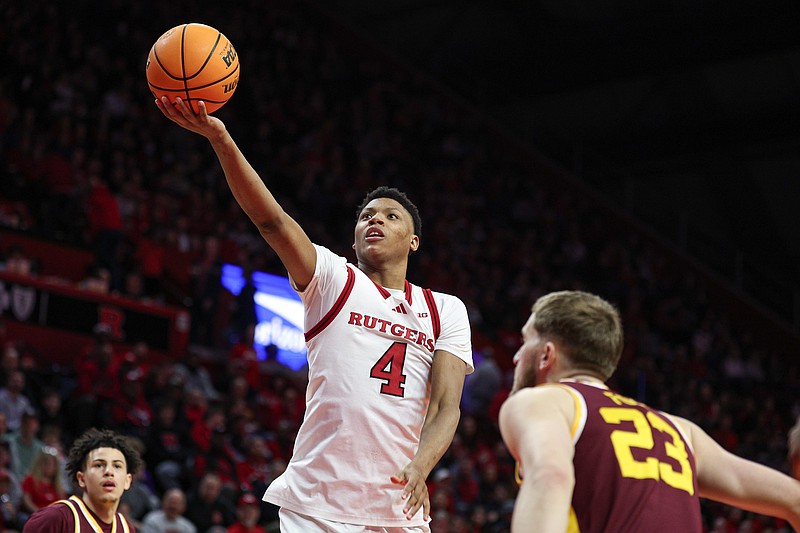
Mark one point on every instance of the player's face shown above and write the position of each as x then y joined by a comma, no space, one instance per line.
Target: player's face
384,227
105,476
526,360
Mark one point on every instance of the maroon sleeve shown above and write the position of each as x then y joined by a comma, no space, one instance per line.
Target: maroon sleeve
56,518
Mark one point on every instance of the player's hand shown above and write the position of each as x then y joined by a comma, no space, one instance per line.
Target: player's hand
415,492
181,114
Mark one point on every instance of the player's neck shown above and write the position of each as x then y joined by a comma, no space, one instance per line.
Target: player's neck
104,511
581,376
391,278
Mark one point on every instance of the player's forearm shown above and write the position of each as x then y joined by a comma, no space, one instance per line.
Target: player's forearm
246,185
753,487
437,434
544,500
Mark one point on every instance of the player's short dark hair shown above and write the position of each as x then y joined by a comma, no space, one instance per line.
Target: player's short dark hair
398,196
95,438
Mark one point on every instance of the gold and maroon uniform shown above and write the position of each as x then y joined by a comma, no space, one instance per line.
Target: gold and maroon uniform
73,516
634,469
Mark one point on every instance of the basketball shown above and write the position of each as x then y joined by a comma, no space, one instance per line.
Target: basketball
195,62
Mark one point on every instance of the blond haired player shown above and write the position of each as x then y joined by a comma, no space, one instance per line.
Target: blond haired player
591,460
387,359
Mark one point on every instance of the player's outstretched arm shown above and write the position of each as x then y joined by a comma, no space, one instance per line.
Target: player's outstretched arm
447,382
727,478
281,231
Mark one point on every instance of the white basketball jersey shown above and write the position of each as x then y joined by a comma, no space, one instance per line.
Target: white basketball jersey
370,352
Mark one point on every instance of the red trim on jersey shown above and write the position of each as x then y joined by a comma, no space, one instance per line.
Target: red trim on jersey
381,290
435,319
385,293
330,315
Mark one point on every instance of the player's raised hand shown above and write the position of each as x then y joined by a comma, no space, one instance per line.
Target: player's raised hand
415,492
181,114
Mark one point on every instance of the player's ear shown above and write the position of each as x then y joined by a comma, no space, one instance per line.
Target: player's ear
549,355
414,243
79,477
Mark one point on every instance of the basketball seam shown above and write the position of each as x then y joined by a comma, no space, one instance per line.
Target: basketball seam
194,88
183,60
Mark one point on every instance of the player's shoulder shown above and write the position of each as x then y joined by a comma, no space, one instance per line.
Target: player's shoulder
56,517
327,257
446,300
548,394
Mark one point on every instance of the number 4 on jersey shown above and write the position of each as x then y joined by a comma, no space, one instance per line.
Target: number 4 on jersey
390,368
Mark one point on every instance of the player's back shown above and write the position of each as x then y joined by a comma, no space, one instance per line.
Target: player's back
634,470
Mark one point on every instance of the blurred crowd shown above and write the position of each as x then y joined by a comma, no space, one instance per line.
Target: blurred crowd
88,160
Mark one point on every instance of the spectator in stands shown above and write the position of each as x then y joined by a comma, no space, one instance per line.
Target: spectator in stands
130,412
9,357
104,229
98,381
44,484
140,498
243,312
221,459
243,359
51,413
150,255
11,520
50,436
13,401
98,279
168,447
15,483
10,361
481,386
195,406
206,289
195,375
248,514
4,433
209,505
24,445
254,470
170,517
133,286
18,262
214,420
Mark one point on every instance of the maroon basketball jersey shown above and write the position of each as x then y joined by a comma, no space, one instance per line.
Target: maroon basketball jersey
73,516
634,470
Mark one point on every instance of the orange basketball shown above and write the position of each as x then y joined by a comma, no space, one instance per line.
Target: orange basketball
195,62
